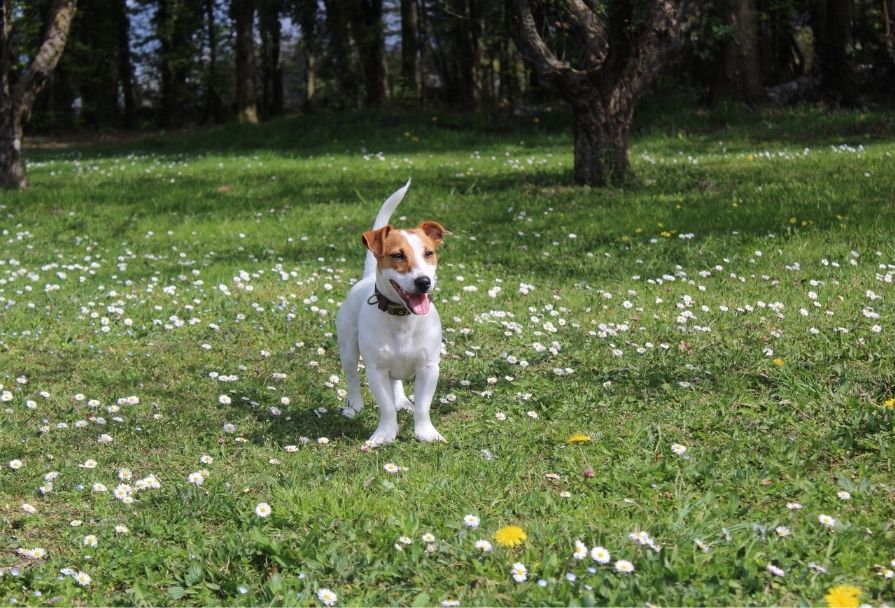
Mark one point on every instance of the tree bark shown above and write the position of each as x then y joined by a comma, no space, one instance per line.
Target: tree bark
125,67
271,64
371,40
738,73
830,23
243,12
339,14
17,99
615,65
411,72
307,20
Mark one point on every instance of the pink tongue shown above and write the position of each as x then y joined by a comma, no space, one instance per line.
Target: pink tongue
419,303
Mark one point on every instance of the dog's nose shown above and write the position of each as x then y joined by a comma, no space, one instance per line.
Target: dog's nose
423,283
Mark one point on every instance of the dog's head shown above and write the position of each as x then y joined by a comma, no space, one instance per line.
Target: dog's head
406,262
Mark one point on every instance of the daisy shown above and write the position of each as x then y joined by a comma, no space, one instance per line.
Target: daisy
229,427
471,521
119,529
206,459
600,555
263,510
826,520
29,508
428,537
793,506
843,495
16,464
580,550
291,448
405,540
520,572
510,536
90,540
782,531
775,570
224,399
624,566
197,478
124,474
678,449
391,467
83,578
327,596
483,545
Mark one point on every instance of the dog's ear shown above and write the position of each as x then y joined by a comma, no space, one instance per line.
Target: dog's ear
374,240
434,231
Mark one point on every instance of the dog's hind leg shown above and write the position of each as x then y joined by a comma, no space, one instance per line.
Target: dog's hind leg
401,400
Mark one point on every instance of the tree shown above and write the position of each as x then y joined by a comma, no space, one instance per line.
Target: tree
738,71
306,11
368,32
615,61
243,12
830,23
271,61
17,96
125,67
175,23
411,67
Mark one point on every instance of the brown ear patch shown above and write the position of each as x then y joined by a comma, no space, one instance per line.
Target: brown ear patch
374,240
435,231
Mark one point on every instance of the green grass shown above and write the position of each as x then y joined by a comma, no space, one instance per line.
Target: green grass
111,278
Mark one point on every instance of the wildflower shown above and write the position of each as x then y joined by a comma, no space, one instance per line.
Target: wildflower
510,536
450,603
471,521
88,464
843,495
391,467
405,540
29,508
83,578
262,509
520,572
678,449
793,506
532,414
778,362
843,596
889,404
624,566
782,531
580,550
577,438
206,459
327,596
290,448
775,570
428,537
600,555
90,540
98,487
196,477
16,464
483,545
826,520
124,474
229,427
322,440
224,400
119,529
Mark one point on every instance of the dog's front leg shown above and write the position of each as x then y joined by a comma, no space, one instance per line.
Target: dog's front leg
424,390
381,387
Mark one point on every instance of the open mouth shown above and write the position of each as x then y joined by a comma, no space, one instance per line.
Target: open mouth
418,303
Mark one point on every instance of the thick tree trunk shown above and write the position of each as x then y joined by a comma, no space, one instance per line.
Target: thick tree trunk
271,65
410,51
125,68
243,12
472,53
17,99
307,20
371,39
830,23
738,73
601,144
338,16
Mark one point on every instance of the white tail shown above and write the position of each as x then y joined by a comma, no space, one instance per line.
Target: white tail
382,218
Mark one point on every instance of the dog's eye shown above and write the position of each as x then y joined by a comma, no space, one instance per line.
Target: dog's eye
399,255
429,254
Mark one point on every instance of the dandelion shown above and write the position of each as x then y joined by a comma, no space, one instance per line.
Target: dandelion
262,509
826,520
484,546
889,404
519,572
471,521
327,596
600,555
510,536
577,438
624,566
778,362
90,540
580,550
843,596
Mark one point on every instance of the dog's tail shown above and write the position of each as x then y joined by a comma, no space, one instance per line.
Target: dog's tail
382,218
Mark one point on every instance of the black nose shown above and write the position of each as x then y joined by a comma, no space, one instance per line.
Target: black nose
423,283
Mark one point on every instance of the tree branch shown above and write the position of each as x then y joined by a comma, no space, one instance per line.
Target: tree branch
591,32
546,63
37,74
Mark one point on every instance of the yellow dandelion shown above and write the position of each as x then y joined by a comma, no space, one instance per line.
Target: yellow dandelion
510,536
889,403
578,438
843,596
778,362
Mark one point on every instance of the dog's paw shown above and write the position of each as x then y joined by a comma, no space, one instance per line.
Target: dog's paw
428,433
350,411
382,436
406,404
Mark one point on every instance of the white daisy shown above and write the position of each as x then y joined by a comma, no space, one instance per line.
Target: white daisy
826,520
90,540
600,555
483,545
775,570
580,550
624,566
471,521
262,509
83,578
519,572
16,464
327,596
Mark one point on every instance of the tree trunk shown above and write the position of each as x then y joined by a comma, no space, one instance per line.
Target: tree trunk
338,16
738,73
271,65
213,110
410,51
830,23
371,40
307,19
472,52
243,12
17,99
125,69
601,144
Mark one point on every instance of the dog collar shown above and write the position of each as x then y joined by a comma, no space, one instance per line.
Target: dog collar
386,305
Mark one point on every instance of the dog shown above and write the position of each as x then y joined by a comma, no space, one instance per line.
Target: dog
388,319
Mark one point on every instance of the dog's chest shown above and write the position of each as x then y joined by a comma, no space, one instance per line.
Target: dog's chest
399,350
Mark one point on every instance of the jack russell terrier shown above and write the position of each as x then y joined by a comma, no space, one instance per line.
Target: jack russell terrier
388,318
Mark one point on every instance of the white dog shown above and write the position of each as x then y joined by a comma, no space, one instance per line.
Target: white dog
388,318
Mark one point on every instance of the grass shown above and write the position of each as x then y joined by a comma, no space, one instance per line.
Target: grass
183,268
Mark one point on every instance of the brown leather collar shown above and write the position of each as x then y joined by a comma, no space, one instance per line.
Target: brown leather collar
386,305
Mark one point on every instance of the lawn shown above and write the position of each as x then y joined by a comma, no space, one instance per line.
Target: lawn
720,336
